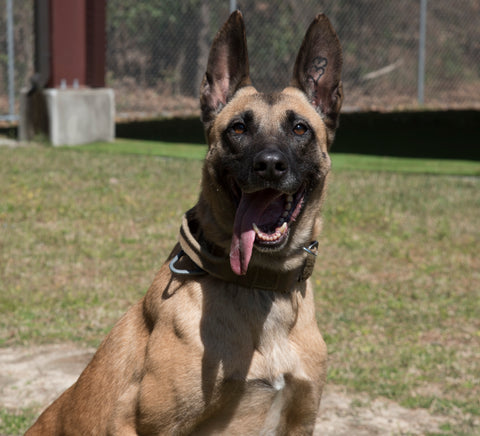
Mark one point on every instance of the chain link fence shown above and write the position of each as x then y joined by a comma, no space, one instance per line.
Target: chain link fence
16,53
157,50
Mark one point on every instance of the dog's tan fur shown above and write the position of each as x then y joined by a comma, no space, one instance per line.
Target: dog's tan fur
198,355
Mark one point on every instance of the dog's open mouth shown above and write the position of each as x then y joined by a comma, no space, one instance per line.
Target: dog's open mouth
263,219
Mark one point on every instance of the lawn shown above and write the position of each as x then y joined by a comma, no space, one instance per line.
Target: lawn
83,230
341,161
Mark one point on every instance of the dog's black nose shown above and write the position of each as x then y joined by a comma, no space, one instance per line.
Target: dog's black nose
270,164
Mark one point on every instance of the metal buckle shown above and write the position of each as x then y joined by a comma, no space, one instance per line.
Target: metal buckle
311,247
185,272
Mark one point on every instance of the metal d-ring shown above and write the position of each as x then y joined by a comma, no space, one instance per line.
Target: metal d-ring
186,272
309,249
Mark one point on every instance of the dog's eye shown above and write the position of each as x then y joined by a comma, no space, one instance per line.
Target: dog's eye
239,128
300,129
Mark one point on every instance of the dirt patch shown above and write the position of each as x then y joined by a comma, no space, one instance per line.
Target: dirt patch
7,142
35,376
343,414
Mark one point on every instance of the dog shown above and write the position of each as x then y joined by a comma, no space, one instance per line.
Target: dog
225,341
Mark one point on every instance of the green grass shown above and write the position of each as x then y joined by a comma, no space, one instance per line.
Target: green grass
397,280
350,162
149,148
15,423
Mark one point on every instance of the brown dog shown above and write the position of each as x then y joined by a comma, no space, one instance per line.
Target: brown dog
226,341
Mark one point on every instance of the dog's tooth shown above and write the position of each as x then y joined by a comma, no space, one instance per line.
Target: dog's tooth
279,231
288,205
285,214
289,198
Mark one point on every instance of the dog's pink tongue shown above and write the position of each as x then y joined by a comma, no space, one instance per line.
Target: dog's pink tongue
250,210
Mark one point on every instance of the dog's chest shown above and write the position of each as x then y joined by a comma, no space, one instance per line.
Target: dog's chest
263,406
259,393
247,363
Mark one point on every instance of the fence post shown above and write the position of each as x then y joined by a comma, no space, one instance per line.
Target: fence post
233,5
421,52
11,60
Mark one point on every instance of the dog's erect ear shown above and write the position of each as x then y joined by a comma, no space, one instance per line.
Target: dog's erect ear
227,68
318,69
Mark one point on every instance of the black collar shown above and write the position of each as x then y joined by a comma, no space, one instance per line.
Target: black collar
195,247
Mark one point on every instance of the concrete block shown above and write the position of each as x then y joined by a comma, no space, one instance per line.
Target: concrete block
73,116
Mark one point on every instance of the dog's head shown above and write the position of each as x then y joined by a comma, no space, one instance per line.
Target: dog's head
267,163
